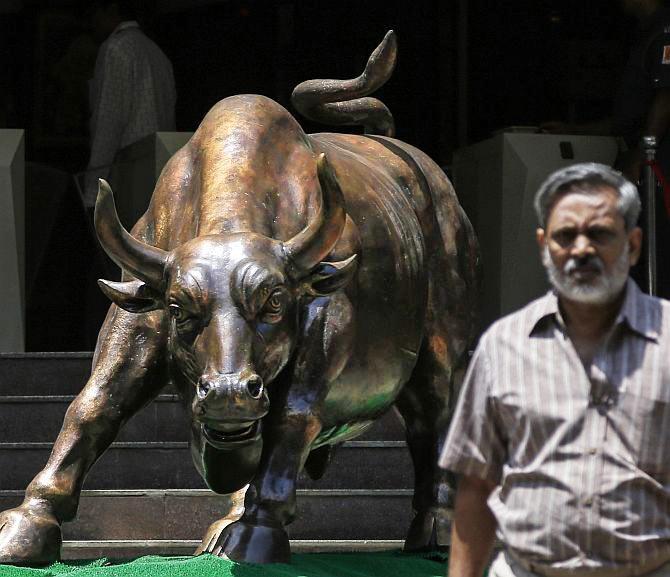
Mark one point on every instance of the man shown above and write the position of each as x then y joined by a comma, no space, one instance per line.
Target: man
132,92
561,436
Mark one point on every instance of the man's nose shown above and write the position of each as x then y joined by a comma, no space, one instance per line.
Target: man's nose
582,246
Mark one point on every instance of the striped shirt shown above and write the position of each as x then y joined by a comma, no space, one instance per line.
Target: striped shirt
580,456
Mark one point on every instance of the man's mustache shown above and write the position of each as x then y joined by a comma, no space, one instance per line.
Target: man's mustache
588,263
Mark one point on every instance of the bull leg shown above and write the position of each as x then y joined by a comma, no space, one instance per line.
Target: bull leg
125,377
290,430
425,405
270,501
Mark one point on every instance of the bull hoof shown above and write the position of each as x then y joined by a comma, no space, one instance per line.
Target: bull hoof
209,541
249,543
29,537
429,531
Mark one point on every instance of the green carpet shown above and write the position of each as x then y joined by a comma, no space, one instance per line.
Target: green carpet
386,564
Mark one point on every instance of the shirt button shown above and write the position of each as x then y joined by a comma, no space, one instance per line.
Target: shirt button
593,451
587,502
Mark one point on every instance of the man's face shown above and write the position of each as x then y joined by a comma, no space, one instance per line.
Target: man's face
585,248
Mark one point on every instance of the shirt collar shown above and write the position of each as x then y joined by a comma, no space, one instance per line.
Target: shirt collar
546,307
635,312
125,25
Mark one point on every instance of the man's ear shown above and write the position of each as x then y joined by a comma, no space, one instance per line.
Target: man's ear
540,237
133,296
327,277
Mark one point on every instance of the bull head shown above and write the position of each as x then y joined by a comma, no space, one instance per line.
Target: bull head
232,302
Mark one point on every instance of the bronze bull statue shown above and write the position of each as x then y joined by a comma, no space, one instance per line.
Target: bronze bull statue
294,287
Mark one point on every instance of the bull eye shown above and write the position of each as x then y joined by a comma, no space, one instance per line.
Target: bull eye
177,313
184,322
274,306
275,303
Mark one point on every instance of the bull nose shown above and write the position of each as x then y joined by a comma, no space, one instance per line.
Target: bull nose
254,386
250,384
204,386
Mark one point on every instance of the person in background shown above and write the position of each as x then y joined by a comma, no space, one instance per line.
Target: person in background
132,93
561,435
641,108
642,101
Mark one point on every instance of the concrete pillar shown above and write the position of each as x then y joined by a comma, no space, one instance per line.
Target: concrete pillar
12,241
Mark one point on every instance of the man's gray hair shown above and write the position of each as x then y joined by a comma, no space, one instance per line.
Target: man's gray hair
583,177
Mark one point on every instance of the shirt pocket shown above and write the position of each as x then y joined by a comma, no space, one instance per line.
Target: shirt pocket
642,425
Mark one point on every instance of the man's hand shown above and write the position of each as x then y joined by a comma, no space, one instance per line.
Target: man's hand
473,529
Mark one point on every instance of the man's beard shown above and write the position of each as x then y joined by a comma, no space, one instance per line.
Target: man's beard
601,289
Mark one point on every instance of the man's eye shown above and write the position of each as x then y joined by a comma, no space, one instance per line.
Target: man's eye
564,237
600,235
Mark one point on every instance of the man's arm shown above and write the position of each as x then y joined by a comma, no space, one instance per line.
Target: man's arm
476,450
473,528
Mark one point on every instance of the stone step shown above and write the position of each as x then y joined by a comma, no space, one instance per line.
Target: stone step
44,373
38,418
118,549
355,465
186,514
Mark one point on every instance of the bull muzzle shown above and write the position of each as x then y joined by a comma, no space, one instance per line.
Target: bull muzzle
230,407
244,386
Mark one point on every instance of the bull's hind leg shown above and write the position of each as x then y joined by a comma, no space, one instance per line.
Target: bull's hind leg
125,377
426,404
450,329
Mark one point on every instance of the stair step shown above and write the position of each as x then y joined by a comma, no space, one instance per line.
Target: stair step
118,549
38,418
44,373
126,510
179,515
354,465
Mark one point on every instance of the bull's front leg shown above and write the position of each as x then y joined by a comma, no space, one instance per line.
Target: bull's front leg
290,429
125,377
259,536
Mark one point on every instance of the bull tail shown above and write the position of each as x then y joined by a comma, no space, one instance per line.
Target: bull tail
347,101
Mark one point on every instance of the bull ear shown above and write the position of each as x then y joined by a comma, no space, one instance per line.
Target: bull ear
133,296
327,277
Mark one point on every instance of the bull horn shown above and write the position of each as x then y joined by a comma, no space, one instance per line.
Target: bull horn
310,246
143,261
